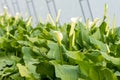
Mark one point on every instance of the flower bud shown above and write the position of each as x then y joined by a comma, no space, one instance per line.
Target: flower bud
73,23
58,36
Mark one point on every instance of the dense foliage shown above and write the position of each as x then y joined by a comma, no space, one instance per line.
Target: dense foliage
73,51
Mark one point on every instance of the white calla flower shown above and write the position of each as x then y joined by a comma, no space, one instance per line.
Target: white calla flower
58,36
73,23
80,19
17,13
74,19
29,22
90,24
5,8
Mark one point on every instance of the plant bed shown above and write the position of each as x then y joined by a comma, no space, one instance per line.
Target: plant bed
73,51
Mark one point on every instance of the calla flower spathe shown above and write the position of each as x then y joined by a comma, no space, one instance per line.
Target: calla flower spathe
17,13
80,19
91,23
73,23
58,36
5,8
74,19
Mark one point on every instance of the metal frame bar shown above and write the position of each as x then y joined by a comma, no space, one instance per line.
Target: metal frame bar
53,2
4,3
27,2
54,6
29,10
81,6
16,3
47,2
34,10
90,9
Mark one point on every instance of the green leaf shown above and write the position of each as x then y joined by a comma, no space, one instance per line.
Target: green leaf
108,75
54,51
95,56
29,61
25,43
83,37
23,71
16,77
35,33
98,44
85,67
95,73
118,31
112,59
97,35
75,55
103,28
46,69
67,72
92,72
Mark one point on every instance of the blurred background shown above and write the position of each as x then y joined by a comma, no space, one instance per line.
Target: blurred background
39,9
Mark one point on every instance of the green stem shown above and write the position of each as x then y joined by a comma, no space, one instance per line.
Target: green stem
61,52
70,43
